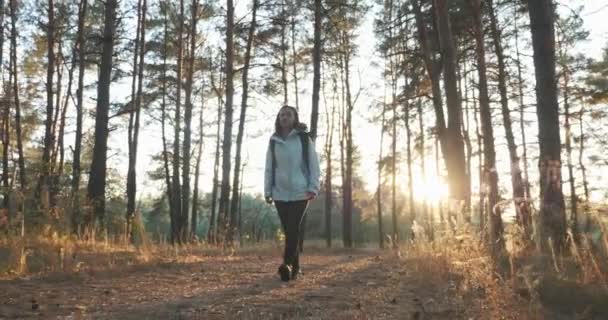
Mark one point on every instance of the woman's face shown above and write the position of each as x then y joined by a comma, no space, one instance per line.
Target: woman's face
287,118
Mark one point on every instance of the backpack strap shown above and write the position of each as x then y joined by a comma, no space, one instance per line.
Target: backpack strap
305,141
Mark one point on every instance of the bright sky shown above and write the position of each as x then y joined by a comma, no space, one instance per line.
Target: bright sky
366,136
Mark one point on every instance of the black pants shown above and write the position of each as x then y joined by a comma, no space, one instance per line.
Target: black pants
291,214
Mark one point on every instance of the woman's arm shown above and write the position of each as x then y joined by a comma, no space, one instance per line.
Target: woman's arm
268,173
315,172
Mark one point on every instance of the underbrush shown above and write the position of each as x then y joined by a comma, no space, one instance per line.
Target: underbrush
528,284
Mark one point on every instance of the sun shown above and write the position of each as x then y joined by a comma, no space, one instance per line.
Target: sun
431,189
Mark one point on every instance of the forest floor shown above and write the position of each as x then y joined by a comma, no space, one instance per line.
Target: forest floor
336,284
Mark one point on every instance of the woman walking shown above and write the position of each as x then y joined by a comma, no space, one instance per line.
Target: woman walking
291,181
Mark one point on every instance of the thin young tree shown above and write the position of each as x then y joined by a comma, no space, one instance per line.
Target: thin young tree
163,108
330,119
187,143
522,106
316,58
490,173
517,183
16,102
243,115
79,47
134,115
197,171
175,180
224,201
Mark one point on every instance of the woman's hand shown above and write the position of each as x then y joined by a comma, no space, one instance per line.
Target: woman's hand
310,195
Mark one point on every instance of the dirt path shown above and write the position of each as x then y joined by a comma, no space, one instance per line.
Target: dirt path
348,285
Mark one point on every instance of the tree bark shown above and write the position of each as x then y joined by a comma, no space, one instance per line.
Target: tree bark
97,178
552,224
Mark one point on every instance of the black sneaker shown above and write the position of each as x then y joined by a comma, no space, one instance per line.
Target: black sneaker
285,272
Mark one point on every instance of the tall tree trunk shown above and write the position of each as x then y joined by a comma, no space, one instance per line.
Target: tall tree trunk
212,234
15,83
227,141
519,197
348,190
284,47
410,175
163,108
425,210
568,144
395,236
6,110
454,140
489,171
131,173
197,171
522,106
552,212
466,126
2,11
480,161
330,118
434,71
346,220
97,179
76,169
295,61
392,65
186,193
581,150
242,117
408,131
316,61
44,183
175,181
379,185
62,120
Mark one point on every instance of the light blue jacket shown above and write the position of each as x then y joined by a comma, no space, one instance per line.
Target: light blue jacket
292,180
